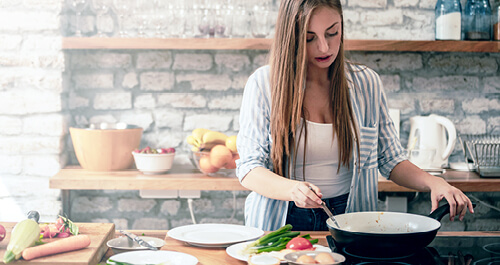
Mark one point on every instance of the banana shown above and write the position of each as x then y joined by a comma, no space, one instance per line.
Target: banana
193,141
198,133
208,146
214,137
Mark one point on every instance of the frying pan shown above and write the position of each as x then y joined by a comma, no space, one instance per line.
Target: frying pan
385,234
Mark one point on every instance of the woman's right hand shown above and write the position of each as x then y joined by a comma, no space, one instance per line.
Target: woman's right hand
304,195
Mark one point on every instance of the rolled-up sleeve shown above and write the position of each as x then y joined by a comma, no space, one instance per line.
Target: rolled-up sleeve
253,141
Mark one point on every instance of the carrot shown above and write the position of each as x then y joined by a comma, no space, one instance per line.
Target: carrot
58,246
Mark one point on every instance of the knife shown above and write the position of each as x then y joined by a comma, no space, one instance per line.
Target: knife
139,240
323,204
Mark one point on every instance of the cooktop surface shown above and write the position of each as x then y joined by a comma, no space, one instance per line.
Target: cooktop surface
444,250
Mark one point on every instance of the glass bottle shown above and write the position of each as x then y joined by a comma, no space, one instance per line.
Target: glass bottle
477,20
496,20
448,20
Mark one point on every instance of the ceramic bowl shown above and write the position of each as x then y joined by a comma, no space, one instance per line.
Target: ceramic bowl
105,146
292,257
153,163
124,244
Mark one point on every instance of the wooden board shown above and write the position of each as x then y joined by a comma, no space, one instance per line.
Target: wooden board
99,234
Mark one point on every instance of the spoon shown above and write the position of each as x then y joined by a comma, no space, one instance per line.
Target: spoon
325,208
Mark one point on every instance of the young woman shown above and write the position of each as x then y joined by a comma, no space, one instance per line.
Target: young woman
315,127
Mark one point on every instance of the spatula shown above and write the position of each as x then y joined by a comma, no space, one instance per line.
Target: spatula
325,208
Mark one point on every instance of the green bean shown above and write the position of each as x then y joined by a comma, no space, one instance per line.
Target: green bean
281,230
275,238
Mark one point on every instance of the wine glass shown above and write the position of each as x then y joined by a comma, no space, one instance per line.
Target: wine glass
122,9
78,6
101,7
143,12
258,24
159,17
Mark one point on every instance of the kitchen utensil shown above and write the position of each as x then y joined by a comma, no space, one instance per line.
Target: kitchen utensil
423,158
372,234
325,208
138,240
484,151
153,257
430,132
214,235
123,244
105,146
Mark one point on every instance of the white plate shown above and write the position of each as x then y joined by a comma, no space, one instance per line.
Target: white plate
235,251
162,257
214,235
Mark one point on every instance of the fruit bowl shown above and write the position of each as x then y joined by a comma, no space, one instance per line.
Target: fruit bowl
218,161
154,162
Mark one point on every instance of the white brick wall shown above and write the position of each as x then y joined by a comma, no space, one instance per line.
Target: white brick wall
44,90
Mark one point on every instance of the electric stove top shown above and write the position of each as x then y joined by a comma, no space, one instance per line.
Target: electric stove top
444,250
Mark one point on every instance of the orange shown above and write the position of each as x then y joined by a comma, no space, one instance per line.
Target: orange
232,164
220,155
206,166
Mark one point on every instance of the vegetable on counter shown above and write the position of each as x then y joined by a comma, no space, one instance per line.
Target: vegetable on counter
299,243
62,228
24,235
278,240
58,246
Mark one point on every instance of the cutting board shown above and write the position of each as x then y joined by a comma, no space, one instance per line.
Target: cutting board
99,234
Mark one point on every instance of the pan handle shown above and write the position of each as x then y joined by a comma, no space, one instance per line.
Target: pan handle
443,210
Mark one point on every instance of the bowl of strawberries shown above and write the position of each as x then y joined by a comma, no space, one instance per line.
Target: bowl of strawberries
154,160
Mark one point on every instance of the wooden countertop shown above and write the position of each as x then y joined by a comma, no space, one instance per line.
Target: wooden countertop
188,178
217,256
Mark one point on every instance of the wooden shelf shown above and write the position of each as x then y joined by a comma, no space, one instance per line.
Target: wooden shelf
179,178
92,43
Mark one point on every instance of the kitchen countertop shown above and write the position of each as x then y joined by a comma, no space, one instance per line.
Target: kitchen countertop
189,178
217,256
205,256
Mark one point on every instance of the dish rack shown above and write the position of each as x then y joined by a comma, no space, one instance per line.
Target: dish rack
484,152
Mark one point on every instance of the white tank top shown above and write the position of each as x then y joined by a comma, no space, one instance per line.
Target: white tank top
322,160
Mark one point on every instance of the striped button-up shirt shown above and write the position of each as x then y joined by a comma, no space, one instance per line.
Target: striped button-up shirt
379,150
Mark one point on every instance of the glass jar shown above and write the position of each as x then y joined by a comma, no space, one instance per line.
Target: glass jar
448,20
477,20
496,20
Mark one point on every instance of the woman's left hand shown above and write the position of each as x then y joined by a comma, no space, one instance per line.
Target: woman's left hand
458,201
408,175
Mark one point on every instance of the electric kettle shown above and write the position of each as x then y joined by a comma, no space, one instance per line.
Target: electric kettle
433,132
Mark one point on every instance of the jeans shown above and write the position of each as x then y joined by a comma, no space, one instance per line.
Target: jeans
314,219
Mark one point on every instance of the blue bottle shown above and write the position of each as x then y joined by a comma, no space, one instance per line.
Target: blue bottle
477,20
448,20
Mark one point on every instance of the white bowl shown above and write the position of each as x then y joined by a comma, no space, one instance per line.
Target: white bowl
153,163
291,258
123,244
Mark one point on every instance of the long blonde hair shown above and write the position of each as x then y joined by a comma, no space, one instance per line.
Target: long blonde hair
288,75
